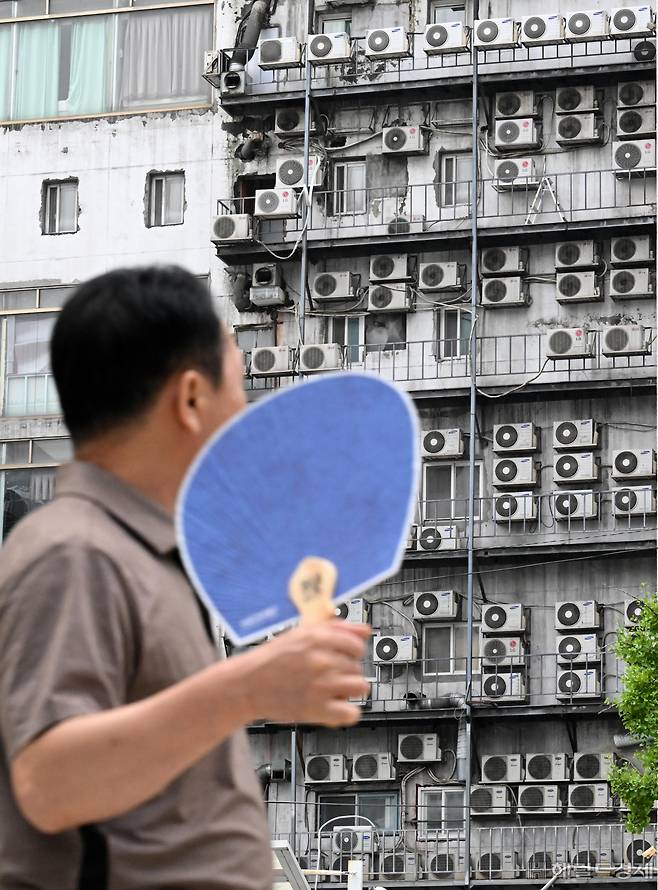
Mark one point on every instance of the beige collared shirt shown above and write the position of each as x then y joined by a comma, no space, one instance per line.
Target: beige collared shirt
96,612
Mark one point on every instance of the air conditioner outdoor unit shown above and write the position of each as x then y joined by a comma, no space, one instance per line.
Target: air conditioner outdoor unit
577,255
496,33
390,298
636,463
291,122
315,357
515,437
625,339
290,171
326,768
490,800
504,688
631,249
503,652
449,863
497,865
591,24
536,799
507,619
637,501
636,93
355,839
279,52
520,132
519,507
330,286
436,605
570,343
577,287
499,261
634,158
631,284
542,29
390,267
404,140
393,649
328,49
634,847
575,505
635,122
575,99
575,434
419,748
633,612
515,174
231,227
497,768
515,472
372,768
280,203
356,611
266,275
271,361
593,767
575,468
577,615
386,43
449,37
399,866
542,864
546,767
572,649
501,293
232,83
577,129
266,297
340,866
438,537
519,103
578,684
632,21
444,443
593,798
438,277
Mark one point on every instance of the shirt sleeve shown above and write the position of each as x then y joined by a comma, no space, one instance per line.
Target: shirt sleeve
68,643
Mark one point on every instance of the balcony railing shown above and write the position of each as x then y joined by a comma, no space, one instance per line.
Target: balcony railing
502,852
361,71
436,207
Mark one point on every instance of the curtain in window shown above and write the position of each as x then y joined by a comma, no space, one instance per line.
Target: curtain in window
88,80
5,71
161,52
37,77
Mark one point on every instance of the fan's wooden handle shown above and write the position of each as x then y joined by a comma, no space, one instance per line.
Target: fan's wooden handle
311,588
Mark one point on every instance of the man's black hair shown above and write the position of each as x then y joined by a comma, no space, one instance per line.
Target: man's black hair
122,335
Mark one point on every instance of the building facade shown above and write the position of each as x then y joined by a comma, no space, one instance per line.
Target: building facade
461,199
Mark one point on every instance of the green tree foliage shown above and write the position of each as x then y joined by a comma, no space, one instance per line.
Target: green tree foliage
638,709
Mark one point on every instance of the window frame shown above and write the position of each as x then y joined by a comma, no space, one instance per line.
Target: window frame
452,626
54,186
390,793
453,465
339,194
352,351
323,18
160,177
445,832
463,311
455,182
433,5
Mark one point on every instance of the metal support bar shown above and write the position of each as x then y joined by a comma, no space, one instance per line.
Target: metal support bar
306,209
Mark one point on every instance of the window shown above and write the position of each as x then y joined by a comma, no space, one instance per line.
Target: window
445,647
60,207
346,330
381,807
166,193
455,179
441,12
440,811
29,384
445,491
350,187
385,331
97,64
335,24
22,491
453,333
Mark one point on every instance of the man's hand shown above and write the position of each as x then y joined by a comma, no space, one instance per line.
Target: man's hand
307,675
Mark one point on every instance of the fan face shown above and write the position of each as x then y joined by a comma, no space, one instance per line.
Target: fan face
625,249
531,798
395,139
566,467
539,766
631,94
585,857
434,442
534,27
398,226
630,121
383,266
568,254
263,276
342,611
569,683
481,799
635,850
628,156
626,462
490,864
378,41
508,132
268,202
624,20
348,841
496,618
393,865
365,766
264,360
623,282
560,342
616,339
224,227
288,120
569,99
634,611
495,769
508,171
321,46
436,35
318,768
292,172
494,687
427,604
441,864
325,285
506,471
433,275
508,104
582,797
589,766
568,614
570,285
579,23
386,649
569,648
566,433
487,31
313,357
494,259
569,127
506,506
411,747
381,297
495,291
430,539
625,500
270,51
645,51
566,504
507,436
495,650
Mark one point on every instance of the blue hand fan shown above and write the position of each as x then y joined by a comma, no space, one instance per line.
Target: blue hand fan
307,494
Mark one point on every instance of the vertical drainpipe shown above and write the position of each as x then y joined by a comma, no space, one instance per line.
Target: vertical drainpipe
471,454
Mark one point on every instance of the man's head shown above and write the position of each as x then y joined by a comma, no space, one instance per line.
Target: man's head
139,348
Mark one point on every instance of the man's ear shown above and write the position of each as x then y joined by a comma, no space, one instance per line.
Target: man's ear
187,401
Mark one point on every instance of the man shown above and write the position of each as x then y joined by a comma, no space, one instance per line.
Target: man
125,763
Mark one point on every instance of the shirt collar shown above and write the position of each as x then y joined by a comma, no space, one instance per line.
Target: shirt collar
146,519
